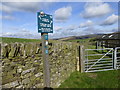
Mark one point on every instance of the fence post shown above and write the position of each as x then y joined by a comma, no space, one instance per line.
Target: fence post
81,59
102,47
97,45
77,58
114,59
0,50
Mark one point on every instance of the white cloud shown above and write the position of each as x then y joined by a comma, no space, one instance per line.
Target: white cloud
24,33
30,0
5,8
95,30
96,9
80,31
62,14
110,20
71,27
21,34
86,24
23,6
9,7
7,17
57,28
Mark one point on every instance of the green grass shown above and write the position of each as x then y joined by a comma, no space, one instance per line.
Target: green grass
105,79
13,40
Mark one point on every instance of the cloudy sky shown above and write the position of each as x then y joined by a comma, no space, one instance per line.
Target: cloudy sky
19,19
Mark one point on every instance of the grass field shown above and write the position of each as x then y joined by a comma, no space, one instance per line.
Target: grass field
105,79
12,40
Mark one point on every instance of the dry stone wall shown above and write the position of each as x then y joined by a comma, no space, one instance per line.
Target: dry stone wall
22,64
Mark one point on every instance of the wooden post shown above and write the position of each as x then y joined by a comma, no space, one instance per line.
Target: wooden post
81,58
102,47
46,72
97,45
1,66
0,51
77,57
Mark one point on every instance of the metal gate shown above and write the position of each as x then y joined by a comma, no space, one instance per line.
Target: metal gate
99,59
117,58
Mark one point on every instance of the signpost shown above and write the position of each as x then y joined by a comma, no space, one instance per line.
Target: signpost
45,26
45,23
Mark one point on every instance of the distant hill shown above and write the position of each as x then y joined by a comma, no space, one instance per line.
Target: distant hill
115,35
81,37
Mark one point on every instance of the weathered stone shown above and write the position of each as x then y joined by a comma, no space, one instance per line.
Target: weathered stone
28,70
26,81
19,70
27,75
38,74
21,86
9,85
6,86
40,85
14,84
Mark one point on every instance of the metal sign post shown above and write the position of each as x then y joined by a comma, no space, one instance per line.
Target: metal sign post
45,26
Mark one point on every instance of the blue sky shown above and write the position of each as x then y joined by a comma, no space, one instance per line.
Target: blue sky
19,19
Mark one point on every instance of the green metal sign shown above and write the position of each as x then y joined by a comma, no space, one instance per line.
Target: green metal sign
45,23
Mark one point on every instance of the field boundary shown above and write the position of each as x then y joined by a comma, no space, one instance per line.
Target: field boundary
94,60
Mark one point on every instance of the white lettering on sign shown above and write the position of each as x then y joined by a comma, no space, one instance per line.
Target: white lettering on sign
45,29
51,22
45,25
45,20
51,17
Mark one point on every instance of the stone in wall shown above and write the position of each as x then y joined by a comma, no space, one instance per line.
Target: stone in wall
25,81
11,84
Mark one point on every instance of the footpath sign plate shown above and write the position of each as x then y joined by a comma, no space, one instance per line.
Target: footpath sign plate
46,37
45,23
